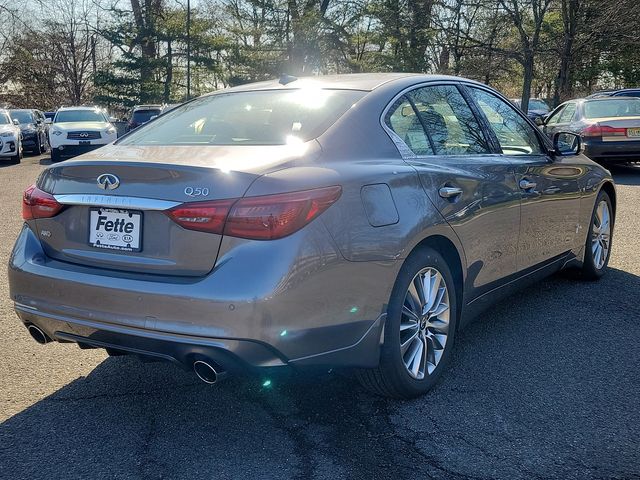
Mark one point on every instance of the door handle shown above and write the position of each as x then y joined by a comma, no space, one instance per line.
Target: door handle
449,192
527,184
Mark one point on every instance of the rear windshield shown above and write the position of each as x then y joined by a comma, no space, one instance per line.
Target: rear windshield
79,116
612,108
141,116
22,116
248,118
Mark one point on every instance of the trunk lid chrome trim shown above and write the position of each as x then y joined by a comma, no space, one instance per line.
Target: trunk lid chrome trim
132,203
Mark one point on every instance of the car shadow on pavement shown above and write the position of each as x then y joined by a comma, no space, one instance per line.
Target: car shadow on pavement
544,385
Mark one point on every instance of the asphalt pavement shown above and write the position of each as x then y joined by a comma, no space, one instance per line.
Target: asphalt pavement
545,385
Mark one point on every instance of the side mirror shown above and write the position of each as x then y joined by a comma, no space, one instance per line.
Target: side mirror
48,121
567,143
15,121
539,121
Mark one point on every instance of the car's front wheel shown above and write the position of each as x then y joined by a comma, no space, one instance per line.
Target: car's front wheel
419,329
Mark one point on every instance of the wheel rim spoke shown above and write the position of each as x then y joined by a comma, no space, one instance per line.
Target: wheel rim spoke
601,235
424,324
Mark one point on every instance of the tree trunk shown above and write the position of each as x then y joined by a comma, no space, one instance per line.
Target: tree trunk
527,65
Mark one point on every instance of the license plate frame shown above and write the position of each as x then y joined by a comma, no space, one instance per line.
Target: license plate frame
103,236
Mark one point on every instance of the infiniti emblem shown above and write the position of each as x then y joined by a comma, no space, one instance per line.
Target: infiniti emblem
108,181
84,135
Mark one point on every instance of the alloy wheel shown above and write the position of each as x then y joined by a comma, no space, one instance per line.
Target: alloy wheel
601,234
424,326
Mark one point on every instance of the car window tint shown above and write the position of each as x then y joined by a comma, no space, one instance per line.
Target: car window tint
614,107
515,134
402,119
449,121
267,117
567,114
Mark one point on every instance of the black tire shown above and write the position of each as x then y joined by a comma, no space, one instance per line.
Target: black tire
15,160
591,271
391,378
55,156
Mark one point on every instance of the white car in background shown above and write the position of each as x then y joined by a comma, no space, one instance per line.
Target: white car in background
10,138
77,130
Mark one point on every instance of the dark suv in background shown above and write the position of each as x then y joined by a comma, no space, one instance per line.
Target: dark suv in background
141,114
35,133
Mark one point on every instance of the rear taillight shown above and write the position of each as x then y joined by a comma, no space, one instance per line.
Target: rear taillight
597,130
39,204
276,216
592,131
613,132
266,217
202,216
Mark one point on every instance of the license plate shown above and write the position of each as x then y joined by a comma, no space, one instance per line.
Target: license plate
115,229
84,142
633,132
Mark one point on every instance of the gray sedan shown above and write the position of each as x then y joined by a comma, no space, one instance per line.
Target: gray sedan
344,221
609,126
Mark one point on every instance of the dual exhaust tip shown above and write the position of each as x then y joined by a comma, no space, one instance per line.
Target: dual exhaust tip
204,370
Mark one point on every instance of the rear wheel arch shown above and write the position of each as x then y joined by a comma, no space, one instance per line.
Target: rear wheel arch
609,189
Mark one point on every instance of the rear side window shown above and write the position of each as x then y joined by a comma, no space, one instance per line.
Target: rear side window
402,119
269,117
515,134
449,121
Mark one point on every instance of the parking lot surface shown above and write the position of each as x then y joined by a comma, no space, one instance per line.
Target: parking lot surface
545,385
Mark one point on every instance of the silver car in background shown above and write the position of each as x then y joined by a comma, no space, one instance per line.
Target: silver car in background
345,221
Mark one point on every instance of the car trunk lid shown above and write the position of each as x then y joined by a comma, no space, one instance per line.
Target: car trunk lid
144,193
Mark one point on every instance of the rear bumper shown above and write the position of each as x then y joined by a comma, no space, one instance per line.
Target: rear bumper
327,311
613,151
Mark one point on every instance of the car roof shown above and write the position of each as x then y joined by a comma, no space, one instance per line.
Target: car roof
604,99
352,81
78,108
146,107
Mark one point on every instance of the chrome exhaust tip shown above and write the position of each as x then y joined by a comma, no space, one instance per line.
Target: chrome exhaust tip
206,372
38,335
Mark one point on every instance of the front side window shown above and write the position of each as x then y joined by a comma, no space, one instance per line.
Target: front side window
269,117
4,119
515,134
449,121
65,116
402,119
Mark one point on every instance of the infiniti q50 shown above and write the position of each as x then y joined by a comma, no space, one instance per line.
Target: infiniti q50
352,221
